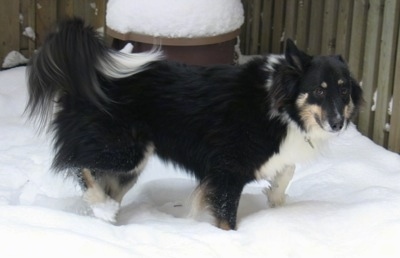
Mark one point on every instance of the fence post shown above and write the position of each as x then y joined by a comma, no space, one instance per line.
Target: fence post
386,69
9,29
371,59
394,134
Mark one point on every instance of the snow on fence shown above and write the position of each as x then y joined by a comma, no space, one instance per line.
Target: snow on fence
364,32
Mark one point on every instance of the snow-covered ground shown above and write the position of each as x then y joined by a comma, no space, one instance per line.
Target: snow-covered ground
345,204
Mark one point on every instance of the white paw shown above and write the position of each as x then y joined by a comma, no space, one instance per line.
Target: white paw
275,198
106,210
102,205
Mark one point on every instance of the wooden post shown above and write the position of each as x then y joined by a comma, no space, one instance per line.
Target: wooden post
303,20
291,19
266,27
246,39
386,69
279,8
344,28
46,17
329,27
9,30
357,37
255,30
315,32
371,59
28,12
394,134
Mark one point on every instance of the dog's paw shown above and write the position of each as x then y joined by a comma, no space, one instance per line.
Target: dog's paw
106,210
275,198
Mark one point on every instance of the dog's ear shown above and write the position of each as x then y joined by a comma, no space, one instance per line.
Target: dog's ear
295,57
340,58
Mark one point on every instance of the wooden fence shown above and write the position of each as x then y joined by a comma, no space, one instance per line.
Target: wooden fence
18,16
364,32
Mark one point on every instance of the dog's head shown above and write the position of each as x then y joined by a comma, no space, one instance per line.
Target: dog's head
320,90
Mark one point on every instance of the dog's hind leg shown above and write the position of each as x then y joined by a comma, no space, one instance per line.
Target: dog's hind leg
276,193
220,194
102,205
104,190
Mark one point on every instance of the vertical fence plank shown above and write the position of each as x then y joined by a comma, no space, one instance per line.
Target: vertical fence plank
329,25
65,9
290,19
27,11
371,59
46,17
250,26
386,70
79,8
394,134
247,4
266,26
344,28
315,32
97,13
357,37
278,21
9,30
255,30
93,10
303,20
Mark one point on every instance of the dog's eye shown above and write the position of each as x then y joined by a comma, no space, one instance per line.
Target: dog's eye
320,92
344,91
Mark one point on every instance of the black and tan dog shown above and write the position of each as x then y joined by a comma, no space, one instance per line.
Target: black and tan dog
226,125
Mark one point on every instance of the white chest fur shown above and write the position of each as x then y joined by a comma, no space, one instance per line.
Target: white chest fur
297,147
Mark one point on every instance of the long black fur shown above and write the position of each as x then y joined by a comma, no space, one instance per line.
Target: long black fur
219,123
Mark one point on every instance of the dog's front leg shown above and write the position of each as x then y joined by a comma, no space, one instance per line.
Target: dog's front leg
276,192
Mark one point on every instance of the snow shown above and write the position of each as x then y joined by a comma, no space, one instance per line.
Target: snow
14,58
29,32
161,18
242,59
345,204
21,18
374,99
94,7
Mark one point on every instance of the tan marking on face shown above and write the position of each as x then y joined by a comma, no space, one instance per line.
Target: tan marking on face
349,109
340,82
301,100
309,112
324,85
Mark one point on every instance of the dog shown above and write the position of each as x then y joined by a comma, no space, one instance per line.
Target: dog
225,125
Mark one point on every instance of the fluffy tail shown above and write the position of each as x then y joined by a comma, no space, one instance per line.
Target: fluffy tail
72,61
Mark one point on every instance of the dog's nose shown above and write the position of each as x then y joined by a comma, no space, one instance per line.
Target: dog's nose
336,124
